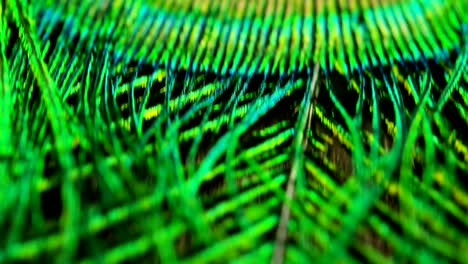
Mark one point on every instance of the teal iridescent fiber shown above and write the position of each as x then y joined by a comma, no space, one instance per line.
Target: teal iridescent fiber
213,131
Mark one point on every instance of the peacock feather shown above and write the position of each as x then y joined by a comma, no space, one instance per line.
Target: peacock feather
277,131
